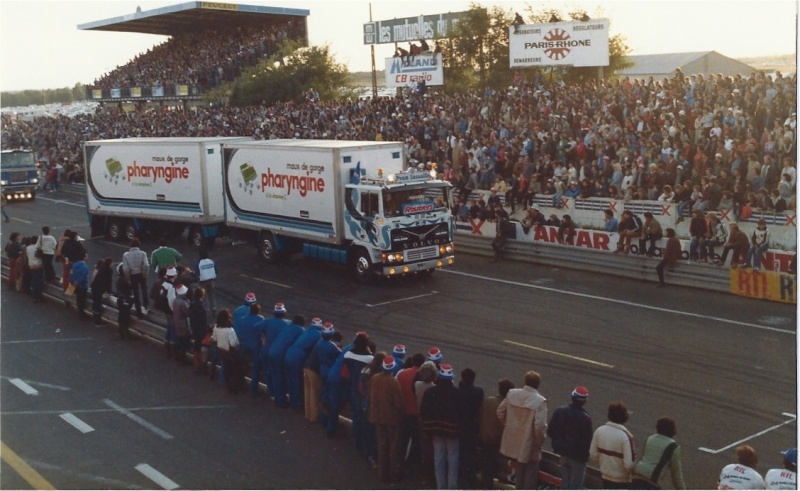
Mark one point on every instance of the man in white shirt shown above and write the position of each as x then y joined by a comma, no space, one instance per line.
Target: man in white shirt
742,474
785,478
47,243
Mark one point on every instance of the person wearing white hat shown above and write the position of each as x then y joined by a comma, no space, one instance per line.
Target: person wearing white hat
271,327
570,430
385,402
440,415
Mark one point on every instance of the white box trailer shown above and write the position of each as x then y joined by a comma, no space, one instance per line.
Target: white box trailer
344,201
162,185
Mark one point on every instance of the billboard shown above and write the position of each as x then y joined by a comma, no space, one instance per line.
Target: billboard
575,44
401,72
411,29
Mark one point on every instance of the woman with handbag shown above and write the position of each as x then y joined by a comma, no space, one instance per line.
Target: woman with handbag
661,457
228,346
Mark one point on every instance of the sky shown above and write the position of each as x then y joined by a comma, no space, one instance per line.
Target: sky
41,46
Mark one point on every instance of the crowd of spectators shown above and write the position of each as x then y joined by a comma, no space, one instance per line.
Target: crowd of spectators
707,143
204,59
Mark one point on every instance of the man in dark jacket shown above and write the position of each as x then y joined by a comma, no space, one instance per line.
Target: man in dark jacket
570,431
441,418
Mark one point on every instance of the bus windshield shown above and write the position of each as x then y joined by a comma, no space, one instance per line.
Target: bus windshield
407,201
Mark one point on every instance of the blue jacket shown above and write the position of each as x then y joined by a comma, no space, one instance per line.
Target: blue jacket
286,337
79,275
249,332
327,352
271,327
298,352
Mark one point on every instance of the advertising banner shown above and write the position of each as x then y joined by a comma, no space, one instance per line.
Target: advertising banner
411,29
401,72
575,44
136,92
765,285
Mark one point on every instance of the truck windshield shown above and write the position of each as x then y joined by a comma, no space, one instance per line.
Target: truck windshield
17,159
412,201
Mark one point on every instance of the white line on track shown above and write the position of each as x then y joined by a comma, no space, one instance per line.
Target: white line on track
155,429
157,477
62,202
21,220
46,340
76,422
27,389
434,292
572,357
622,302
41,384
792,419
85,411
266,281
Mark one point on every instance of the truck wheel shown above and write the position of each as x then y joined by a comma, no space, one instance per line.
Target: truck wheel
362,267
196,237
114,231
130,232
267,250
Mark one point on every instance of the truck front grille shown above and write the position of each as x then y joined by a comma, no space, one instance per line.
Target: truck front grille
421,254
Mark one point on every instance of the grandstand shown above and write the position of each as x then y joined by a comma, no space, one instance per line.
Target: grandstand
209,44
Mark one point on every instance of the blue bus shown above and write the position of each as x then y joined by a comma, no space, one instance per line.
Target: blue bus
19,174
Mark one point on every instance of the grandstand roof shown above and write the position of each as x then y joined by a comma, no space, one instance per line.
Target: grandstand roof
190,16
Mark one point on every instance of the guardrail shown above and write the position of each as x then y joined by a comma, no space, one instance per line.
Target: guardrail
695,275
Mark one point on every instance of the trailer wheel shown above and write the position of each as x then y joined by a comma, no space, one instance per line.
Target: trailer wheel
267,250
362,266
130,232
114,230
196,237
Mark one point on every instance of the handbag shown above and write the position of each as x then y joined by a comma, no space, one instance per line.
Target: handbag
39,252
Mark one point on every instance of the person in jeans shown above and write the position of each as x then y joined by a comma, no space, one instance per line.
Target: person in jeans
440,418
135,265
759,243
570,431
48,245
79,277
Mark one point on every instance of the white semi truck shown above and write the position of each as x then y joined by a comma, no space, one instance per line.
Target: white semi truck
164,186
348,202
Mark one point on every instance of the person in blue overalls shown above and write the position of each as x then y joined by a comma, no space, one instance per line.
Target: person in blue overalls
248,328
326,352
276,358
272,327
296,357
353,362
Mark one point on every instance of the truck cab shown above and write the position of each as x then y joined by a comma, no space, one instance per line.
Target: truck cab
19,175
400,224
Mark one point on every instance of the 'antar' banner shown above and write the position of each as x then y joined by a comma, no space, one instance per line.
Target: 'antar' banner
559,43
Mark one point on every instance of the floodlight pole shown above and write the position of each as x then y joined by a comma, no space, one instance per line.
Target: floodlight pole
374,73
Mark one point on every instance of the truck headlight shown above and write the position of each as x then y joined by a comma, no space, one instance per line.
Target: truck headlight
34,180
3,182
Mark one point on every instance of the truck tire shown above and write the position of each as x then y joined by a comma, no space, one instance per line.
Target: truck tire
267,249
130,232
196,237
114,230
362,266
